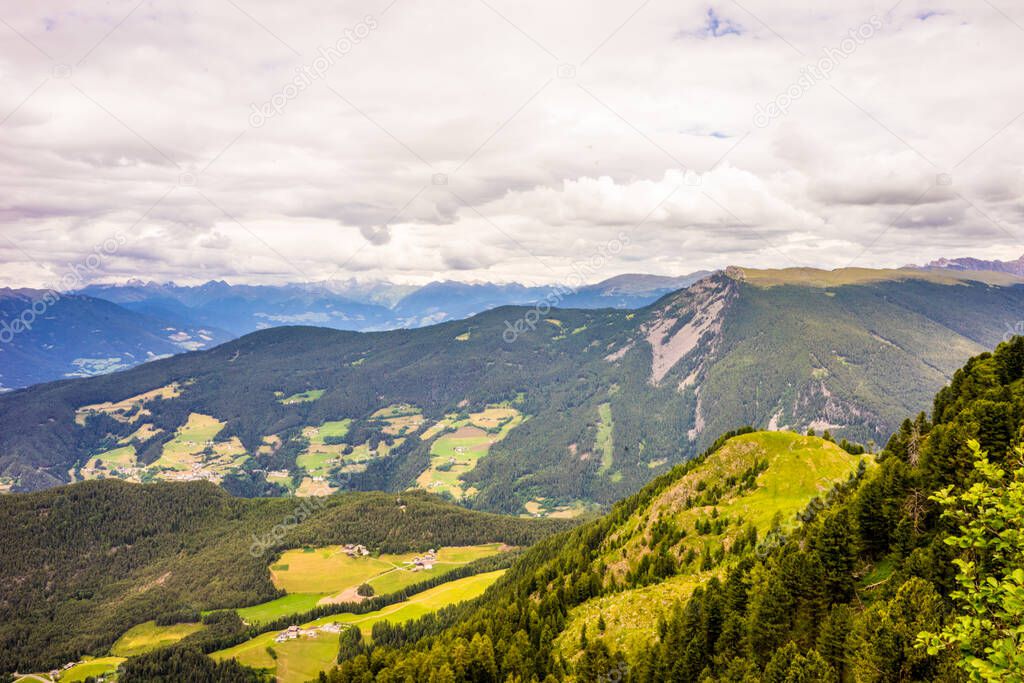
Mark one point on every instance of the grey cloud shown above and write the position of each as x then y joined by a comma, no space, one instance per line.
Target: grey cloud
376,234
555,169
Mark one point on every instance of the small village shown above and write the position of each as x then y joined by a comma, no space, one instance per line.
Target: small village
294,632
52,675
353,550
197,472
424,563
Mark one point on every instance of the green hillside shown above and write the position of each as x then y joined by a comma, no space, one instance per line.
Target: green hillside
755,484
843,585
593,404
98,562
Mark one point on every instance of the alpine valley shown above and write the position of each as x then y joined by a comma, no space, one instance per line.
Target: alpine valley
520,410
768,475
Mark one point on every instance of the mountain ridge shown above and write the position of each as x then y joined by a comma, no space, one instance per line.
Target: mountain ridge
583,407
1014,267
203,315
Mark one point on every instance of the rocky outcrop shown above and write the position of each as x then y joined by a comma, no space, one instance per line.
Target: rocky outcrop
692,319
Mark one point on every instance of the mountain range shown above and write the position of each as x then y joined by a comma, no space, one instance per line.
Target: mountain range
1015,267
771,556
102,328
516,409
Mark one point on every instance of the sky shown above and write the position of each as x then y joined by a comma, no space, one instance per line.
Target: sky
501,140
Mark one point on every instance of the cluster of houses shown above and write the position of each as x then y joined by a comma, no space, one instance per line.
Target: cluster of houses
424,563
294,632
55,674
356,550
196,473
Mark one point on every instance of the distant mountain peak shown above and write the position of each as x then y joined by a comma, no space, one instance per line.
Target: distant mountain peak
1015,267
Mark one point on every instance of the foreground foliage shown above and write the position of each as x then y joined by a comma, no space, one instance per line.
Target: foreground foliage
988,630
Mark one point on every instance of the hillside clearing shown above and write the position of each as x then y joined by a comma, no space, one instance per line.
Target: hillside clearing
302,659
148,636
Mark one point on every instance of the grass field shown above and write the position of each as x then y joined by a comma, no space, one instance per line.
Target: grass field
302,659
325,570
542,507
456,452
399,419
798,469
148,636
334,428
322,459
145,432
190,439
305,658
304,397
121,459
308,487
793,470
630,617
317,464
283,480
329,570
813,277
192,452
448,559
118,409
93,667
293,603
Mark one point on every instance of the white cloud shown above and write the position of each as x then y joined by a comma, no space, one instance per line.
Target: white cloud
503,141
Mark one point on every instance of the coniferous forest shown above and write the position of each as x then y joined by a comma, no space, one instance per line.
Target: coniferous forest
910,571
907,566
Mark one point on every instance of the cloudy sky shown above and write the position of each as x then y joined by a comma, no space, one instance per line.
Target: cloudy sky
503,140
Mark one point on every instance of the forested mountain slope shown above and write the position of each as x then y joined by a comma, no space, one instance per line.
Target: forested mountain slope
46,335
84,563
520,409
686,581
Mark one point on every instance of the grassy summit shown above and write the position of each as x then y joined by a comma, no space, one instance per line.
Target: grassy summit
753,482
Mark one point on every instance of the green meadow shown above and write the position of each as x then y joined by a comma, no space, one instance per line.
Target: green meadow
148,636
311,576
293,603
100,666
793,470
304,397
302,659
336,428
465,440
